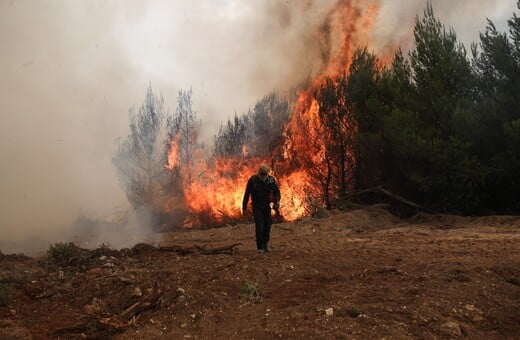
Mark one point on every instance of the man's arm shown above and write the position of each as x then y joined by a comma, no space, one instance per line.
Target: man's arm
247,193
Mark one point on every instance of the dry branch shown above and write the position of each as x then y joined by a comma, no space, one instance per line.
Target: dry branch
146,302
389,194
76,328
118,322
196,249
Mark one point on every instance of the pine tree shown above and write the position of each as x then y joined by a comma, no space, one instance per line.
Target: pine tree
141,156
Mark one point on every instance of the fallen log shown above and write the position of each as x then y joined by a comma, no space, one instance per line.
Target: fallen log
196,249
381,190
79,327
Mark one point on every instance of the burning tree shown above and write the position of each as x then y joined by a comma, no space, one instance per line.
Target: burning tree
232,137
269,116
256,133
307,141
411,123
183,133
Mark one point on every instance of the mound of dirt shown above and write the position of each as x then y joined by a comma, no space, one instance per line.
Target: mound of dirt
357,274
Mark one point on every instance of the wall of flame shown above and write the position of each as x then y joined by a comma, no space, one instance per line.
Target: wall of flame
217,187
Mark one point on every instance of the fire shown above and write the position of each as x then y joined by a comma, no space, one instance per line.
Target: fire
173,153
216,188
218,192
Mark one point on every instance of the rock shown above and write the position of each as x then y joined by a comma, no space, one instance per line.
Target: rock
470,307
95,307
95,271
477,318
329,311
180,291
137,292
452,328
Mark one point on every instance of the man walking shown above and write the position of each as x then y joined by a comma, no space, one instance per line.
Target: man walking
263,190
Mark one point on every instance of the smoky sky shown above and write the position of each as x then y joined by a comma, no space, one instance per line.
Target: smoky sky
71,70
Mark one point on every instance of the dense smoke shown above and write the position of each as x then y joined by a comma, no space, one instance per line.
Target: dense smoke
71,70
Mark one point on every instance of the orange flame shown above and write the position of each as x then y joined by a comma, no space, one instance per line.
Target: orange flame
217,187
173,153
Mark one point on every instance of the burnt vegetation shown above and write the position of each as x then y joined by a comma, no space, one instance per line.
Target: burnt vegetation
256,133
436,126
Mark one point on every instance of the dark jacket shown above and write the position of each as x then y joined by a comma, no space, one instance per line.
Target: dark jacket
260,190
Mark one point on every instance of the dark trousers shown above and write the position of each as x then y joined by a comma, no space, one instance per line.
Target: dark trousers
262,216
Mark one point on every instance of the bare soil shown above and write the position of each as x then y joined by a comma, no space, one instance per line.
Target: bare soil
359,274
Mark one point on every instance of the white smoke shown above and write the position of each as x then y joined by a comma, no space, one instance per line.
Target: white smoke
70,70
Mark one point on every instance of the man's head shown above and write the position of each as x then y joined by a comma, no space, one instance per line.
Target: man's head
263,171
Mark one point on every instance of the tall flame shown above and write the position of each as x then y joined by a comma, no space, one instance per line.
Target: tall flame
217,189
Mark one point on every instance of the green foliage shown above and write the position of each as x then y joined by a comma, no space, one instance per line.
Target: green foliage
7,284
370,101
64,253
6,292
433,127
249,293
431,130
496,63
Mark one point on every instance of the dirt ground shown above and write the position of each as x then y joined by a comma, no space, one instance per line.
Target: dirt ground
360,274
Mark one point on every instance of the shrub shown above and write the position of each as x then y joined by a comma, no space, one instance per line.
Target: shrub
249,293
64,253
6,293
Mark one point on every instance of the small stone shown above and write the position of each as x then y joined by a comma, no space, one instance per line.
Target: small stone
470,307
95,271
329,311
95,307
452,327
477,318
180,291
137,292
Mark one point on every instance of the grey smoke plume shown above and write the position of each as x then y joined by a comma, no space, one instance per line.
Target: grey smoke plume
70,70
